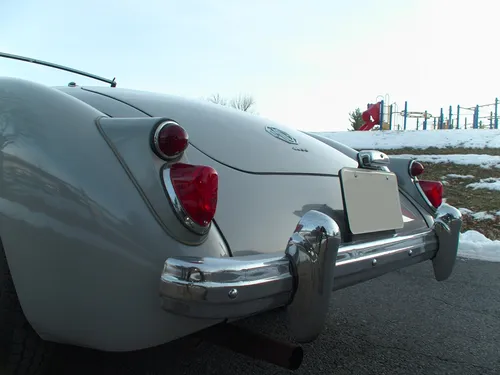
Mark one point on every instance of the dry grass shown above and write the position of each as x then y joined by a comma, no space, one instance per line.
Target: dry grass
456,191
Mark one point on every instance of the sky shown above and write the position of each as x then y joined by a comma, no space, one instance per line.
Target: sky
307,64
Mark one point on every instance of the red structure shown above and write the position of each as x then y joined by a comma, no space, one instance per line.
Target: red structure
371,117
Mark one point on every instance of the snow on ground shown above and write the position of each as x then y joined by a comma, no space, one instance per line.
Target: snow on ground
474,245
484,161
452,175
486,183
481,215
456,176
390,139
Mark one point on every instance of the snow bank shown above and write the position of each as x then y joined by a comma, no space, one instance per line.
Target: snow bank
490,183
476,246
421,139
485,161
481,215
452,175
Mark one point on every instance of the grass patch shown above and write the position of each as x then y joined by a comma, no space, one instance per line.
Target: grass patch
490,228
459,195
455,190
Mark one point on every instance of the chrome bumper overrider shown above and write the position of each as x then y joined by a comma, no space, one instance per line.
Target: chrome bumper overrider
303,277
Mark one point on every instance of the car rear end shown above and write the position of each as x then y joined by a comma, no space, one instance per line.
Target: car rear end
332,246
263,167
301,216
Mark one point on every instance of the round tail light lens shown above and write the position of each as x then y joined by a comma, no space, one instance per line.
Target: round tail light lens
170,140
416,169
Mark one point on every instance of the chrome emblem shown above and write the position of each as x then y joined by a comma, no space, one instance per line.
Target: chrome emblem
281,135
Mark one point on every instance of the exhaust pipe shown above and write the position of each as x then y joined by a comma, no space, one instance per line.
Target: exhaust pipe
254,345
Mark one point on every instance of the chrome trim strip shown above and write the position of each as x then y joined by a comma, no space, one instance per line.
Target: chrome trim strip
302,277
414,178
226,287
447,226
313,249
270,270
373,159
156,143
358,263
424,197
177,205
222,288
419,188
375,246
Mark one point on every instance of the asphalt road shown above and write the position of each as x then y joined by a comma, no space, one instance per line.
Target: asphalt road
402,323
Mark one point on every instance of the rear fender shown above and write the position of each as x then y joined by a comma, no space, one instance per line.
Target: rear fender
83,247
400,166
130,140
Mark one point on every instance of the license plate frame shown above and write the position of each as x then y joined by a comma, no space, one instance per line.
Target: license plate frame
371,200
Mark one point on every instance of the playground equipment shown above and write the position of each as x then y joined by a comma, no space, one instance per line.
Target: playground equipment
477,123
376,113
371,116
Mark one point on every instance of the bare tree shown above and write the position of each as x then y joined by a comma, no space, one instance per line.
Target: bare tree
244,103
217,99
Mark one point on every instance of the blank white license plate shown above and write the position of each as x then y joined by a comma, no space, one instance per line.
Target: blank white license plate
371,200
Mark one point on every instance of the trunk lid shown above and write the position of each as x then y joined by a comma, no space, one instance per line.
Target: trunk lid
238,139
272,204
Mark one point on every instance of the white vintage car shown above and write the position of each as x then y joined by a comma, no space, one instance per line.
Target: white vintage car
131,219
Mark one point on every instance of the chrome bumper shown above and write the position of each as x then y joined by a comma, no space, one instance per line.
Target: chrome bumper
303,277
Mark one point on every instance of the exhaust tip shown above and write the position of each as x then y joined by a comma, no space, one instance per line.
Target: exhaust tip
296,358
255,345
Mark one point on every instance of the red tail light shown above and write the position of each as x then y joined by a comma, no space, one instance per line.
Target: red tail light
433,190
196,191
416,168
170,140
